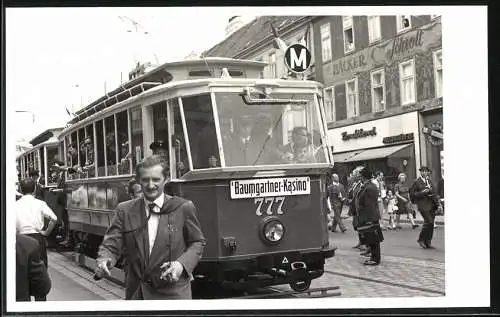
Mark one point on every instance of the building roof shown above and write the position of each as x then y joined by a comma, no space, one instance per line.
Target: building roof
251,34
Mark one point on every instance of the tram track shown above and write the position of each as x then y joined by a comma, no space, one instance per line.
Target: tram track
384,282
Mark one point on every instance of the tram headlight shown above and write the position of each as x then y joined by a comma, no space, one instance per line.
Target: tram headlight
273,230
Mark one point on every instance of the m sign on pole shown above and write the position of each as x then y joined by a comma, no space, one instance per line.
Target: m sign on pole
297,58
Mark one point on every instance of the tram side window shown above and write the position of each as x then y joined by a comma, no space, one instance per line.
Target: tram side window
81,147
89,151
179,145
42,165
100,148
136,126
110,146
51,158
201,131
123,143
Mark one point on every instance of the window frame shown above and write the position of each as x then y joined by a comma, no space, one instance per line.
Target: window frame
399,23
356,98
371,39
328,39
372,87
331,90
413,101
436,70
344,29
273,65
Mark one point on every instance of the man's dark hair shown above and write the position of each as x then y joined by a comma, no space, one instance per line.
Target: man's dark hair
27,186
366,173
377,173
151,161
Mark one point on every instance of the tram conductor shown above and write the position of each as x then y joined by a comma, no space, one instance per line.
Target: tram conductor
159,235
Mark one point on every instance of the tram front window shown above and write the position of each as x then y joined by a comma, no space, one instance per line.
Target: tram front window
269,134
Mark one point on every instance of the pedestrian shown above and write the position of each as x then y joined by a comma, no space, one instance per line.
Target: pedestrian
423,193
134,189
392,208
404,206
335,200
368,217
382,197
159,235
32,278
354,187
31,214
60,169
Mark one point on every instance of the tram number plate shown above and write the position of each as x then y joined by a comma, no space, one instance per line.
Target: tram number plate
286,260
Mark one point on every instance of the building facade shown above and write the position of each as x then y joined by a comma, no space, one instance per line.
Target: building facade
383,80
383,89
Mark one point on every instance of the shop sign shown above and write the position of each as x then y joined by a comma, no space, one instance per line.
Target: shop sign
403,137
359,133
434,133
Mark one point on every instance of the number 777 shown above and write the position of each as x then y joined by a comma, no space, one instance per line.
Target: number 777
269,201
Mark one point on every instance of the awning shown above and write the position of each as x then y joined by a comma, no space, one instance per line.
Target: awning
369,154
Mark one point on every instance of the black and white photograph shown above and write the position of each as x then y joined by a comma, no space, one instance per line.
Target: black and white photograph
245,158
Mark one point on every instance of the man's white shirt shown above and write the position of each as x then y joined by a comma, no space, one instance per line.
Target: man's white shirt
154,220
30,214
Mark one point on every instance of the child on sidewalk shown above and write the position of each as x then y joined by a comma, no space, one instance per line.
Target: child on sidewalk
391,208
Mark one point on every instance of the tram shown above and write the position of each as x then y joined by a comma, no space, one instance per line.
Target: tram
262,210
41,157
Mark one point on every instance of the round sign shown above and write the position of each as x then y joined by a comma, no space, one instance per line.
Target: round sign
298,58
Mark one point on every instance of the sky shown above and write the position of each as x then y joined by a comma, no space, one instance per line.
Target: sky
66,57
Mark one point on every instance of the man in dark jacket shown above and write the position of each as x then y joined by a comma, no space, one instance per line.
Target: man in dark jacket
159,235
423,193
32,278
336,196
368,216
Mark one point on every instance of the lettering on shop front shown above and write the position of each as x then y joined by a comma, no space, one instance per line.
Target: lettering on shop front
404,44
360,133
349,64
403,137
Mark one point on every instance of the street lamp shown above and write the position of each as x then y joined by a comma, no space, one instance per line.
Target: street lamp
27,111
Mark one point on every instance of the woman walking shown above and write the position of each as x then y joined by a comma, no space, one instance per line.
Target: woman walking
402,192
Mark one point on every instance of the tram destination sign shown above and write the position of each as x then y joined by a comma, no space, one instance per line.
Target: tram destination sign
270,187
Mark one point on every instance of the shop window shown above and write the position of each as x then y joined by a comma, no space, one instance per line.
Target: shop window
272,65
378,90
330,104
348,34
326,43
136,132
438,73
110,145
374,32
351,87
407,82
403,23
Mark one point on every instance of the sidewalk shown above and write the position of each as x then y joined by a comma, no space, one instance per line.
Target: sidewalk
418,220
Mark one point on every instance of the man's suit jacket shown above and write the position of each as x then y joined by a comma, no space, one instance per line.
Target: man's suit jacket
366,204
424,202
185,241
32,278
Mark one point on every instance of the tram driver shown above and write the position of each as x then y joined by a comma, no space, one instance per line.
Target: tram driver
300,149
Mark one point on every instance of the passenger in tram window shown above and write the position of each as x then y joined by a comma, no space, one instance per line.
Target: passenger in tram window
300,149
160,147
241,148
111,148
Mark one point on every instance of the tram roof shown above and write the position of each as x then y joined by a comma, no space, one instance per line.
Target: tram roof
202,82
146,77
47,136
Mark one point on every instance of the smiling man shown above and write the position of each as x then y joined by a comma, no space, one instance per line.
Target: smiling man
159,235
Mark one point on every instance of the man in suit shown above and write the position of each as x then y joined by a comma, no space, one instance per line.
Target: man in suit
368,217
242,148
335,200
423,193
159,235
32,278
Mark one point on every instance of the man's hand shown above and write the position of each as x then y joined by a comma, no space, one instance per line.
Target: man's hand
102,269
172,272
